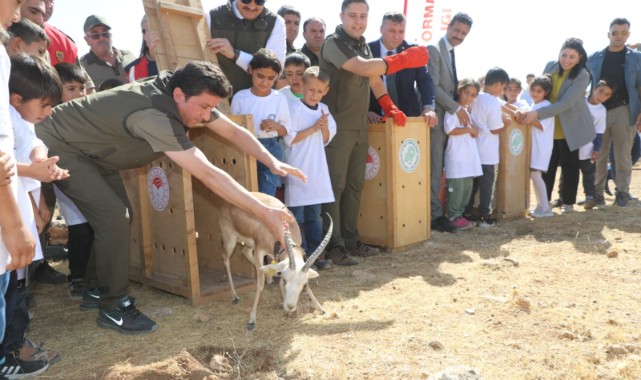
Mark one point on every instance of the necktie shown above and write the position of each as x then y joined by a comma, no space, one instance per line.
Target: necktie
454,67
391,84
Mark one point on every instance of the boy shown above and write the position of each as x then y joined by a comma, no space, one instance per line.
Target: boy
270,110
27,37
17,245
589,152
34,88
312,128
295,65
73,79
487,115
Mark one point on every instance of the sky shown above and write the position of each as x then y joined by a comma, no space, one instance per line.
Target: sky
519,36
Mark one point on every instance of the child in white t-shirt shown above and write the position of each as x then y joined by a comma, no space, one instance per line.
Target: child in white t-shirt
270,110
462,162
542,143
312,128
488,116
588,153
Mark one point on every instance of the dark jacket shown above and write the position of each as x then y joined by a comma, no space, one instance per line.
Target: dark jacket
411,100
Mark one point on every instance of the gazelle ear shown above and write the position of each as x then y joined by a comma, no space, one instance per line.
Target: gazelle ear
311,274
272,269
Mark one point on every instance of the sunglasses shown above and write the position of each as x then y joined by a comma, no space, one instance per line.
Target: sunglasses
258,2
96,36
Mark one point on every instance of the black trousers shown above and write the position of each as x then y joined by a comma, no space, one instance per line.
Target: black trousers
570,164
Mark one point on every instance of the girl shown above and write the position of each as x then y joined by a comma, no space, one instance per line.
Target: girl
542,142
462,162
511,94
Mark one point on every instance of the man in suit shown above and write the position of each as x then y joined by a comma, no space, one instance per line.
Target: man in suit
412,101
442,68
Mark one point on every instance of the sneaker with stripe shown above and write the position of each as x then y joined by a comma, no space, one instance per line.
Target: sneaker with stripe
14,368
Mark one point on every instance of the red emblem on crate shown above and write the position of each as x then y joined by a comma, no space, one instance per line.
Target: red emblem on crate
158,188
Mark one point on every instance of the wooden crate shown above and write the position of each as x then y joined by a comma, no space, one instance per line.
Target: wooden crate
175,241
395,202
512,192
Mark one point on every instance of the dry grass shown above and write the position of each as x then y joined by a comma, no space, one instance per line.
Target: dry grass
531,299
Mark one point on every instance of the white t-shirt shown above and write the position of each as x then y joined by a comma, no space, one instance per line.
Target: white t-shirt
273,106
599,114
309,156
461,153
25,142
6,136
289,94
487,116
542,141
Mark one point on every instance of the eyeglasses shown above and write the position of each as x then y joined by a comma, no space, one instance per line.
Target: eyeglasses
622,33
96,36
258,2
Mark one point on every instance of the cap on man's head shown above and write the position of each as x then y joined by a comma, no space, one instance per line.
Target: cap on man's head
95,20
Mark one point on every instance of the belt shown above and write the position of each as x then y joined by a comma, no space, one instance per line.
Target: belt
615,104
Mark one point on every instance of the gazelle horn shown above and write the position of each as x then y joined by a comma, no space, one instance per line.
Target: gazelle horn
289,243
321,247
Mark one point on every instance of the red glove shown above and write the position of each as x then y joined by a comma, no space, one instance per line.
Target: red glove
390,110
416,56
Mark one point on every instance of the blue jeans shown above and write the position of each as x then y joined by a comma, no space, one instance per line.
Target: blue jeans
310,224
268,182
4,282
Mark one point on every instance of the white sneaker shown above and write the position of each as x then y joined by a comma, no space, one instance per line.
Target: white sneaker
567,209
541,213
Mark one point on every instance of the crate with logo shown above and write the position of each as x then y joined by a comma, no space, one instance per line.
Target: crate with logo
512,194
395,202
175,239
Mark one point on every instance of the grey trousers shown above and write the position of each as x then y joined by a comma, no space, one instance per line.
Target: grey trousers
346,156
619,132
101,198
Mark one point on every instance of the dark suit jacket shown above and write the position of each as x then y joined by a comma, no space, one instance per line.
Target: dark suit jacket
408,99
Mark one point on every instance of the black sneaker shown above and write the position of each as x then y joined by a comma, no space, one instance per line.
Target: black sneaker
126,319
76,289
14,368
621,199
340,256
442,224
364,250
45,274
91,298
487,221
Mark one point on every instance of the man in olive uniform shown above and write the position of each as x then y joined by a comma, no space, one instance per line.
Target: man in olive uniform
128,127
347,58
238,29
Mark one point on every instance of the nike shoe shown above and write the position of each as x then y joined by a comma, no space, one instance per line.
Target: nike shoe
91,298
126,319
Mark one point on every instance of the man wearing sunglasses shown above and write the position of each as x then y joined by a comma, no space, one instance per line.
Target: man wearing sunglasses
103,60
622,67
238,29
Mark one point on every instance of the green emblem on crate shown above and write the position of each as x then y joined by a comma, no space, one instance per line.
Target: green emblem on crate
373,163
516,142
409,155
158,188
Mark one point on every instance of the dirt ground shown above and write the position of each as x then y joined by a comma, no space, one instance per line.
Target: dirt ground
556,298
